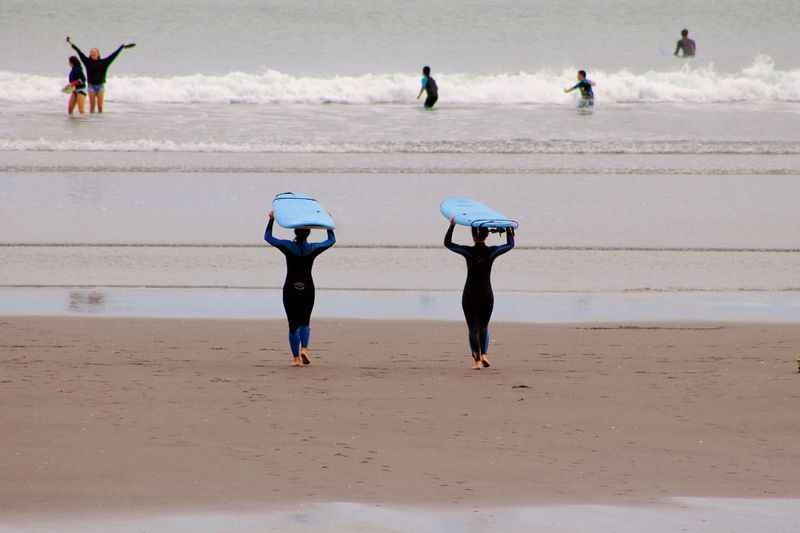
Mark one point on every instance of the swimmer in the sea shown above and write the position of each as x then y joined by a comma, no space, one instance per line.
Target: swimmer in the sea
585,86
428,86
685,45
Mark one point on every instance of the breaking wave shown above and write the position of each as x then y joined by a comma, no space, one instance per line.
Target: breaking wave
761,82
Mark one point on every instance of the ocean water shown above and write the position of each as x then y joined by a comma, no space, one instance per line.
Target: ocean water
215,76
683,180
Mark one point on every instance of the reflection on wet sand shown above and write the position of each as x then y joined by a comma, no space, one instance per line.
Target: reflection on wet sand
93,301
767,306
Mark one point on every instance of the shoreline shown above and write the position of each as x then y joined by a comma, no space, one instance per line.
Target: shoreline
147,414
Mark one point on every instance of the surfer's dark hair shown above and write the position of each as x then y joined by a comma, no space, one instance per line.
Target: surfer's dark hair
684,32
426,70
480,234
301,234
582,73
74,61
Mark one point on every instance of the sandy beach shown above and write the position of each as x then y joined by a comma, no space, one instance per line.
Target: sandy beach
104,414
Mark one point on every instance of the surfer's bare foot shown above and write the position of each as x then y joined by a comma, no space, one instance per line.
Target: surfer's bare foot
304,357
485,362
476,364
296,361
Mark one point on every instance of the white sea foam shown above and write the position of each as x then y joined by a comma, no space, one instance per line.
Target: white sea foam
761,82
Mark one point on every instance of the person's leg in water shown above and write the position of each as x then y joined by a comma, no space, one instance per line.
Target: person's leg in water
81,99
92,101
101,95
430,101
73,100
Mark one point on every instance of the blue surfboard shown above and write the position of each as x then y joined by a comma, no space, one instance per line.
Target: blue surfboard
297,210
468,212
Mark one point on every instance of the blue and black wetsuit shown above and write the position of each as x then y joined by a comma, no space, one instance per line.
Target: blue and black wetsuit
76,75
431,91
477,300
587,94
298,289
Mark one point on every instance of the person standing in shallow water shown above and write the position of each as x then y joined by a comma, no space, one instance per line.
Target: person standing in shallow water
96,70
585,86
686,45
298,288
77,84
428,86
477,300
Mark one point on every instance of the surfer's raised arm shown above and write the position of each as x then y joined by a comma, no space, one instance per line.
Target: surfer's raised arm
448,237
271,239
83,56
327,243
509,245
113,55
448,240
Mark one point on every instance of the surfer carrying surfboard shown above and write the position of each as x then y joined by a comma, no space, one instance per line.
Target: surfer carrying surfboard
585,86
298,288
76,87
477,300
428,85
96,70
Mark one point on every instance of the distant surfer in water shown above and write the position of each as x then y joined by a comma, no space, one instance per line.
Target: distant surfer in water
96,70
685,45
585,86
428,86
477,300
298,289
76,87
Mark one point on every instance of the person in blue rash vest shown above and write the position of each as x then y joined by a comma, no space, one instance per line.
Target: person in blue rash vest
585,86
298,288
477,300
428,85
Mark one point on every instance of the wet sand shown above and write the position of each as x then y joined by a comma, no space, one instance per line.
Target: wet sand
104,415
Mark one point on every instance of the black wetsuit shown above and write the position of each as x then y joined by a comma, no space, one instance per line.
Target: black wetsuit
96,69
298,289
687,45
431,90
477,300
76,75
